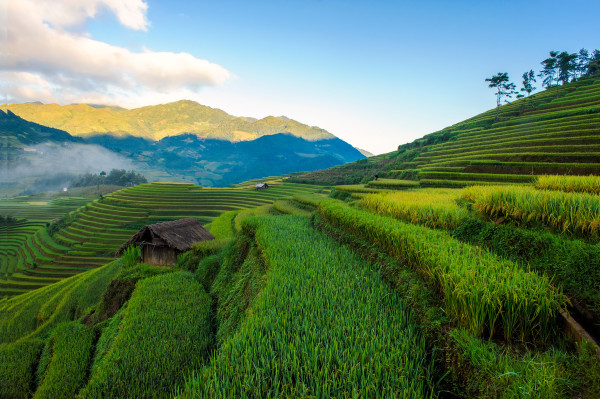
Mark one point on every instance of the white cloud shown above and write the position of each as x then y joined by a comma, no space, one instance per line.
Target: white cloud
52,59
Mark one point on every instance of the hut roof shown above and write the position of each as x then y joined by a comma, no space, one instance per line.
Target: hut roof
178,234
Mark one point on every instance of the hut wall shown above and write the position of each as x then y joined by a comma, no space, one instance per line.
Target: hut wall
159,256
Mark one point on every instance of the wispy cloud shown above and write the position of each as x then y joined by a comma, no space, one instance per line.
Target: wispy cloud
51,58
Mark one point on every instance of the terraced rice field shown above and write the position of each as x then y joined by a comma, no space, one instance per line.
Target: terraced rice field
539,135
35,256
32,213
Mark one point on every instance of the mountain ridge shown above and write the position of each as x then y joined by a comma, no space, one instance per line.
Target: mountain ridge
158,121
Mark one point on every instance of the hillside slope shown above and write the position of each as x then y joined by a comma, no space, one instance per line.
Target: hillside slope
158,121
541,134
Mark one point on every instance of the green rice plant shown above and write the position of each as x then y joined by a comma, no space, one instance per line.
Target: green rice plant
572,264
518,142
490,177
261,210
17,367
481,291
239,280
288,207
106,339
165,333
65,359
131,256
435,208
393,184
309,200
501,374
189,260
563,211
35,313
324,325
222,227
457,183
581,184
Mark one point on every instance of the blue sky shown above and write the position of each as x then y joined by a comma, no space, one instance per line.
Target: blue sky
375,73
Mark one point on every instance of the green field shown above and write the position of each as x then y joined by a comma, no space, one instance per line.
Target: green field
390,294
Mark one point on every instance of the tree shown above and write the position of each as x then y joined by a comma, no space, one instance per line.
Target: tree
550,70
583,59
504,88
102,175
528,81
566,66
593,66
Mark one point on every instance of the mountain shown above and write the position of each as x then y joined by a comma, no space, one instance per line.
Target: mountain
158,121
540,134
213,162
38,158
365,152
17,132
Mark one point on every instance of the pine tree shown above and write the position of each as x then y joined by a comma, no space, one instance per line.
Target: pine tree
504,88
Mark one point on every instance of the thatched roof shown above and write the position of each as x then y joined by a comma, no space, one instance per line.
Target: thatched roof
178,234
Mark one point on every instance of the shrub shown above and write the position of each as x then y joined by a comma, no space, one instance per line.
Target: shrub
131,256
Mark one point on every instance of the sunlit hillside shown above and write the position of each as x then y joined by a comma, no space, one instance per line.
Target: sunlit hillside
540,134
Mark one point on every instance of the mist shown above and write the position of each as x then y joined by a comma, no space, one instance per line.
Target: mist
51,166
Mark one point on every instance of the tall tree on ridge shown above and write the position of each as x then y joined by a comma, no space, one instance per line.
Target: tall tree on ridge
528,81
550,71
566,66
593,66
583,59
504,88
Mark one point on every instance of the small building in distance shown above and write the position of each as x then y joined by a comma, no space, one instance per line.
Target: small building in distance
162,242
261,186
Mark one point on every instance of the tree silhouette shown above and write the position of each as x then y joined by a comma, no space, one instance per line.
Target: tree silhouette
566,66
503,87
550,70
583,59
528,81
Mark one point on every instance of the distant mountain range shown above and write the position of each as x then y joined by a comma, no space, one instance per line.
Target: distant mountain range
34,153
158,121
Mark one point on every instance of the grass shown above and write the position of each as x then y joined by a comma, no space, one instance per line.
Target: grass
307,337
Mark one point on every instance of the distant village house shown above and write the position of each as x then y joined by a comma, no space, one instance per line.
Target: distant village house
162,242
261,186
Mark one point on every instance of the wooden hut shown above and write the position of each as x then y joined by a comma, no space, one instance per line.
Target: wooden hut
261,186
162,242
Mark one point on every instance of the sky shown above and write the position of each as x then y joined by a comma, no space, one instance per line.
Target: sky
374,73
